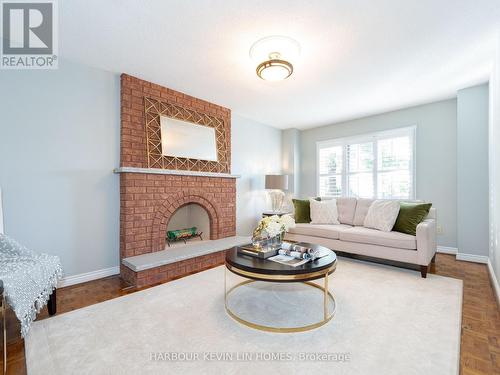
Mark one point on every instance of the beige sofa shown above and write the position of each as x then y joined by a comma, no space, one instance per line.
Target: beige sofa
351,237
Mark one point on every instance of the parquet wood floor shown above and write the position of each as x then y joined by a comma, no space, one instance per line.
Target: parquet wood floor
480,346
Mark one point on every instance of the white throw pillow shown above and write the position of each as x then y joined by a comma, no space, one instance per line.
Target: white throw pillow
382,215
324,212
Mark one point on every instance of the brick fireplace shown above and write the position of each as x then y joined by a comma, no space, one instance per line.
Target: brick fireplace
153,187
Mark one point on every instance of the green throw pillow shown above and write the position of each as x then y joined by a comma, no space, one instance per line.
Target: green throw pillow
410,215
302,210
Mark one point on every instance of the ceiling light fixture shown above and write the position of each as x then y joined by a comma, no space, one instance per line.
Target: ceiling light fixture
274,54
274,69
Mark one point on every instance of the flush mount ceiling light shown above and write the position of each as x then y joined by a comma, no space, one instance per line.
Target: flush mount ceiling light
273,55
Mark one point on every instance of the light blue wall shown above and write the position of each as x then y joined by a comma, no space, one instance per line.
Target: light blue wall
290,140
472,170
436,155
59,142
256,151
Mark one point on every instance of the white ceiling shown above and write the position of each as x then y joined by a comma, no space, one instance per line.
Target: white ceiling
359,57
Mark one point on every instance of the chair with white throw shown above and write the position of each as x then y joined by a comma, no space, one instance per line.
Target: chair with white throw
28,282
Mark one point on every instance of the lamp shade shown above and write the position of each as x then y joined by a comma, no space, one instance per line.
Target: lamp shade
277,181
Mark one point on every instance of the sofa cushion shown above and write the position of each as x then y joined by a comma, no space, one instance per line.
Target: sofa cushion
377,237
410,215
346,208
324,212
302,210
382,215
320,230
362,207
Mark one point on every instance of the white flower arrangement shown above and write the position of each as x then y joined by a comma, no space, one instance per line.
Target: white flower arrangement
273,226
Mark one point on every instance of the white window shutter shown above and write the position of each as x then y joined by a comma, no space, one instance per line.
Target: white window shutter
377,165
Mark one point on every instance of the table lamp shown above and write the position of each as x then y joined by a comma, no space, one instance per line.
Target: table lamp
275,184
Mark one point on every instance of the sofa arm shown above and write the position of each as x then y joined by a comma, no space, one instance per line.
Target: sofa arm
426,241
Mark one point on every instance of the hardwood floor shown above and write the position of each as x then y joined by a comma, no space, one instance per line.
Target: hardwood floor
480,347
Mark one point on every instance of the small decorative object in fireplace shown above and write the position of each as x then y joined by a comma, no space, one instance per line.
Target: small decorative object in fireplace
183,235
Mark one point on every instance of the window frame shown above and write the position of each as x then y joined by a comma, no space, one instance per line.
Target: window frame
365,138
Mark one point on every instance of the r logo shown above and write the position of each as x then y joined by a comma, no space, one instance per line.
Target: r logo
28,28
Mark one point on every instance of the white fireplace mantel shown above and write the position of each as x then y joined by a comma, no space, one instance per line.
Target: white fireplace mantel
173,172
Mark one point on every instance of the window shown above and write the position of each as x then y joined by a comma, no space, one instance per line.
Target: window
379,165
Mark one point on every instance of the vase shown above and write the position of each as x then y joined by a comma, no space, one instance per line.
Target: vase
277,241
261,242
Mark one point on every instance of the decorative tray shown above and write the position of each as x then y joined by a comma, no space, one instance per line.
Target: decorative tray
256,252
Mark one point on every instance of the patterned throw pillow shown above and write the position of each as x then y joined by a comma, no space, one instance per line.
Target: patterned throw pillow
324,212
382,215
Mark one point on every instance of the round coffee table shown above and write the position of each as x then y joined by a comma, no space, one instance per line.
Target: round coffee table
256,269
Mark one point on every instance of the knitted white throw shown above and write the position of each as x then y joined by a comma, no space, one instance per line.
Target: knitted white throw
28,278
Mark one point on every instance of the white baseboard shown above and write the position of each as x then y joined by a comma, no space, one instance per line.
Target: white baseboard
88,276
494,282
461,256
473,258
447,250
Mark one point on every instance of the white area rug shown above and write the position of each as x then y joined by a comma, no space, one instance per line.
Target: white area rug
388,321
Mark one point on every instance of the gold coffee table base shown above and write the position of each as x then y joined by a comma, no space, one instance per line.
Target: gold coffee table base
327,316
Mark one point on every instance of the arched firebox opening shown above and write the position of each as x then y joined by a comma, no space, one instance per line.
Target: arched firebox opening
187,224
167,209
